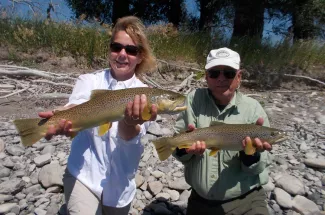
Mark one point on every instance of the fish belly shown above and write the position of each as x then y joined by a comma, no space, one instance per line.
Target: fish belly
81,121
225,144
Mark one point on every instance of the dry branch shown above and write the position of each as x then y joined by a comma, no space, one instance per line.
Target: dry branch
180,66
305,77
7,86
5,91
185,82
24,71
54,96
254,95
53,83
16,92
292,91
31,4
151,82
320,135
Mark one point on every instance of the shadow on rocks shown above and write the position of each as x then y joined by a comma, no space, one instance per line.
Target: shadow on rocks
162,206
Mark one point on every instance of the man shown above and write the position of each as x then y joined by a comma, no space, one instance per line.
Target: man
230,182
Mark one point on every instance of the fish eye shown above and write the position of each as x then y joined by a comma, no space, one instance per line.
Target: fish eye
172,98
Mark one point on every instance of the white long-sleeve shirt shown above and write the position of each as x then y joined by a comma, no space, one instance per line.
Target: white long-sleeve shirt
105,164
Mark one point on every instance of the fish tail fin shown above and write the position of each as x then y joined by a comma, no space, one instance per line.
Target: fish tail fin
30,130
163,148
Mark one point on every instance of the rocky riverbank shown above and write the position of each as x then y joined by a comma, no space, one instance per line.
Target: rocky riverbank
31,178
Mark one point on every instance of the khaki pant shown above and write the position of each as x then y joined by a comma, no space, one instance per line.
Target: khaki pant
81,201
253,203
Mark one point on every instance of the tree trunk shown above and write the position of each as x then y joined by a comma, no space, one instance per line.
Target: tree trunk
302,21
120,9
139,8
249,18
175,12
206,14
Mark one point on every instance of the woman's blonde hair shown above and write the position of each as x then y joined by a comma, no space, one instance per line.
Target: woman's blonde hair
135,28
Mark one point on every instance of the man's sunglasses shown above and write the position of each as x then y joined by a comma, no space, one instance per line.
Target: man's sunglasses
228,73
129,49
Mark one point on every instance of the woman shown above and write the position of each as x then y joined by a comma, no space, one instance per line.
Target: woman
100,172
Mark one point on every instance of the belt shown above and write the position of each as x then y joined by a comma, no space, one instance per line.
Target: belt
195,196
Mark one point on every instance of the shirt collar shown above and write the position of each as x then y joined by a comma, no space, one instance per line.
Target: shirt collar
234,102
112,82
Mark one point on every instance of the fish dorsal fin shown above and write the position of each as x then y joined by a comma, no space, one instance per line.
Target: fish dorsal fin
95,93
214,123
55,111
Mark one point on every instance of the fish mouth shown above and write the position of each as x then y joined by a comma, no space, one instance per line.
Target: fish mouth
181,108
280,139
179,105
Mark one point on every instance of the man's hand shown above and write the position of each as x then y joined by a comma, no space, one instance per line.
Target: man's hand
63,128
197,147
257,143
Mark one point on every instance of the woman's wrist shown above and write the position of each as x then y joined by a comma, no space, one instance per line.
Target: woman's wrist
129,125
128,131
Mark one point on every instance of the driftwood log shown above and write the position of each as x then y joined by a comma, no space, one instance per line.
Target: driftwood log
46,85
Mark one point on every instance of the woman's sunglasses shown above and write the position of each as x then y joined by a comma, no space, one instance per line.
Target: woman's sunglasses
129,49
228,73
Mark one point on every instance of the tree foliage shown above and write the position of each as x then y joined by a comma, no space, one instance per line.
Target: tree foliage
249,18
307,16
100,10
108,11
245,17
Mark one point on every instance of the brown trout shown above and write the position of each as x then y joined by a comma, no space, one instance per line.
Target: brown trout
103,108
219,136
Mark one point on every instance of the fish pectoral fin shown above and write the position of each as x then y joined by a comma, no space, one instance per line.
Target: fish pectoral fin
146,115
183,146
104,128
249,148
73,135
213,151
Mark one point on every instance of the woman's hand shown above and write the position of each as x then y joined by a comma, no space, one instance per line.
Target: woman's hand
129,127
63,128
134,110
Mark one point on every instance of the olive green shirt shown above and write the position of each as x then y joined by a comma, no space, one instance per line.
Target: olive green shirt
223,176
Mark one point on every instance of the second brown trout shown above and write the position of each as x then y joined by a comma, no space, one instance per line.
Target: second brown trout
219,136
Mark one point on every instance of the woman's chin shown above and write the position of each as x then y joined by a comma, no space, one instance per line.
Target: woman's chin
122,74
121,69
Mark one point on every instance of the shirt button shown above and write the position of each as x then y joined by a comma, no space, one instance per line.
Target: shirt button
213,176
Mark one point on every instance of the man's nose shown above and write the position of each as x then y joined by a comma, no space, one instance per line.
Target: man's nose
221,76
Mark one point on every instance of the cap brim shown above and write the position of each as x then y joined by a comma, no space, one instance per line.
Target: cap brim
223,62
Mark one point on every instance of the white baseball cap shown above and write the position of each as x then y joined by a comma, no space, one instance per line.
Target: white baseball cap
223,57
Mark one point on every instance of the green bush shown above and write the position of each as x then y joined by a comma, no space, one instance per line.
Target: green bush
167,43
